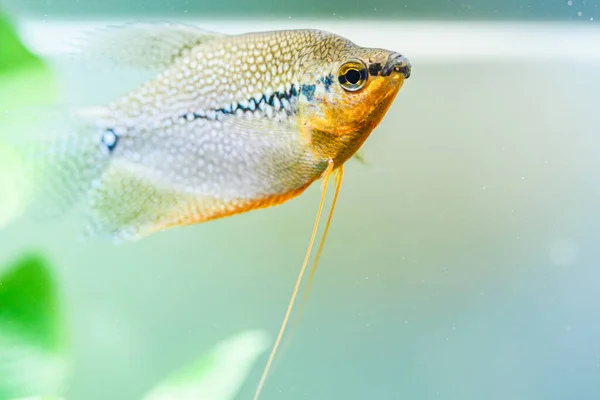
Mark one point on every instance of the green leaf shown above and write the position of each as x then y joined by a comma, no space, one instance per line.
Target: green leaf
32,336
25,79
26,83
28,303
219,374
13,54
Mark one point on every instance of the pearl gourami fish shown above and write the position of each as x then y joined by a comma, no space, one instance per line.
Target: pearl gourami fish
229,124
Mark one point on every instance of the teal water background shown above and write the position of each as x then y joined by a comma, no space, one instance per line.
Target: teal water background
462,263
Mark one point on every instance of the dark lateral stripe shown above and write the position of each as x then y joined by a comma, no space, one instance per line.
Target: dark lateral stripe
327,81
308,91
253,105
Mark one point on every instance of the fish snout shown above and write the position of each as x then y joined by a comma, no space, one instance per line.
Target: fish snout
396,62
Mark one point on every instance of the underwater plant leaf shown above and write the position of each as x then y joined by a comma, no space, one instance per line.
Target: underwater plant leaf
26,83
13,53
32,338
219,374
25,78
28,302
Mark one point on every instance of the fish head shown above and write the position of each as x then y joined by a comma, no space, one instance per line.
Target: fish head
355,86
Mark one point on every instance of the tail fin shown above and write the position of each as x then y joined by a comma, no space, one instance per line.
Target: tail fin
61,161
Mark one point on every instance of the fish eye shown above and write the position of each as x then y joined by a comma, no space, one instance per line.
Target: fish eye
353,75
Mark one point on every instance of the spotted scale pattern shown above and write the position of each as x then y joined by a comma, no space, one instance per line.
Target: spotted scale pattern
213,132
223,129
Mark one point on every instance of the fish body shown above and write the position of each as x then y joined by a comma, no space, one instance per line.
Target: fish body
231,124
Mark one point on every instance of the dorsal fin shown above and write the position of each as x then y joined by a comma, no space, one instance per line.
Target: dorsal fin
143,45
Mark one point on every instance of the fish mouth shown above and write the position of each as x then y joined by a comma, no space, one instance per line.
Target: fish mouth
396,62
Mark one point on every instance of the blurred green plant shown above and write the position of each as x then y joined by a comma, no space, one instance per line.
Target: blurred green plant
13,54
32,338
40,398
218,375
34,350
26,81
33,345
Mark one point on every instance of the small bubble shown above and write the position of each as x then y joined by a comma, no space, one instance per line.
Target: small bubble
579,14
569,3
